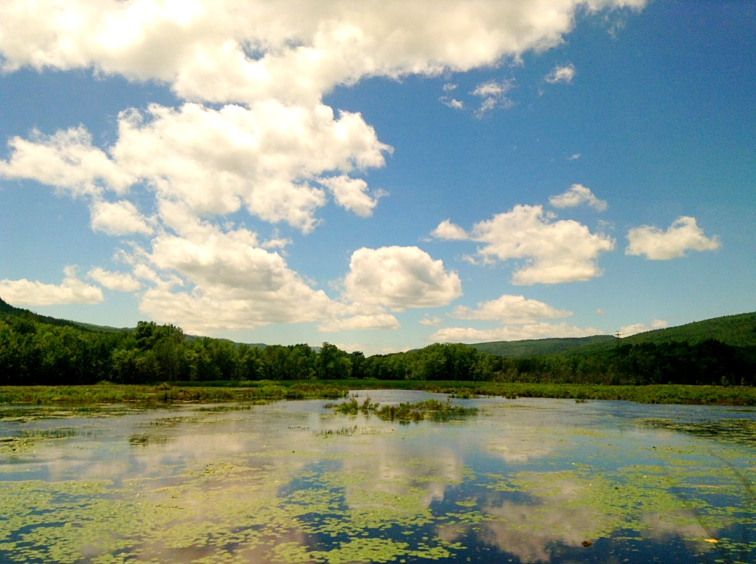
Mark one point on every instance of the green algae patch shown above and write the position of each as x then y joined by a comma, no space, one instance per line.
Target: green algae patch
363,550
736,430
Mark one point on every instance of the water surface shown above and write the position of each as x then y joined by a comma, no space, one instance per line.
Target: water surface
527,480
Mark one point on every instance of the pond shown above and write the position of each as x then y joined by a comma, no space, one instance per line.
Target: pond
521,481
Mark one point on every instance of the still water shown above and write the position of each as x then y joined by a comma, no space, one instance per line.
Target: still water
527,480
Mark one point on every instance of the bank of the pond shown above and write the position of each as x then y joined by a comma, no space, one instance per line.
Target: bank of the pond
218,392
164,393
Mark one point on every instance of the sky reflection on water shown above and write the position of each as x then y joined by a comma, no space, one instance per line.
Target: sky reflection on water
525,480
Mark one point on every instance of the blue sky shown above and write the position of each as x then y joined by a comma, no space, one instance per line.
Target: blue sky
379,175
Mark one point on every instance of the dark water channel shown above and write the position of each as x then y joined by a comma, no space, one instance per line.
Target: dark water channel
522,481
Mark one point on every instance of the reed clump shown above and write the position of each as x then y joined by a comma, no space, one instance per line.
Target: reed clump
432,409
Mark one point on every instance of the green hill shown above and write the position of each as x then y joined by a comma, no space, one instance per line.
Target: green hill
735,330
539,347
8,311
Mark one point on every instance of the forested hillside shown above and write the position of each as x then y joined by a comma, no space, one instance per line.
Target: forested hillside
538,347
736,330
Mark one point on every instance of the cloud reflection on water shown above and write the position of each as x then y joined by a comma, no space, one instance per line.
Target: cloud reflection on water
268,484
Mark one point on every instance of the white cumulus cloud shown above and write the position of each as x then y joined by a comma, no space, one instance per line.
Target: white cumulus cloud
494,95
226,50
512,333
66,160
33,293
553,251
114,280
206,279
683,235
636,328
352,194
563,74
360,323
450,232
118,218
452,103
400,278
253,133
214,161
510,310
576,196
430,321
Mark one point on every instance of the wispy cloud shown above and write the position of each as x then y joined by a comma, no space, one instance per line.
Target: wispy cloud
559,74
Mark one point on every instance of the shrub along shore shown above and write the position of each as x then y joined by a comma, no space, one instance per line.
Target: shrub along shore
261,392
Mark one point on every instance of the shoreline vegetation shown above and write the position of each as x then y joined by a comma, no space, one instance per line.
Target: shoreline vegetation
263,392
44,360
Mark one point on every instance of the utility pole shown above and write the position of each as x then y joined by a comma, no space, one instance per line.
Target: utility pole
618,335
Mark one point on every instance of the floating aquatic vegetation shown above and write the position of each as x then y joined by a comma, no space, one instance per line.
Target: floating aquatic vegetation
351,431
27,414
737,430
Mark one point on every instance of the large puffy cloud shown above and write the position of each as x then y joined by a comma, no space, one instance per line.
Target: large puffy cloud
400,278
511,310
684,234
33,293
263,156
236,284
239,50
554,251
512,333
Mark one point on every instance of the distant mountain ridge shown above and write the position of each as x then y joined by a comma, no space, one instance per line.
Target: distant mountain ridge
735,330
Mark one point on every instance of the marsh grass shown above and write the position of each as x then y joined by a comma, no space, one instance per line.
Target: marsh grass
165,394
405,412
652,394
263,391
60,433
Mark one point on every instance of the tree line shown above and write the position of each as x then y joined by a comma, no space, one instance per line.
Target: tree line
39,353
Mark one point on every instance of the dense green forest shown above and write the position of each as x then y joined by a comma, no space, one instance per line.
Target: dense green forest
34,350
